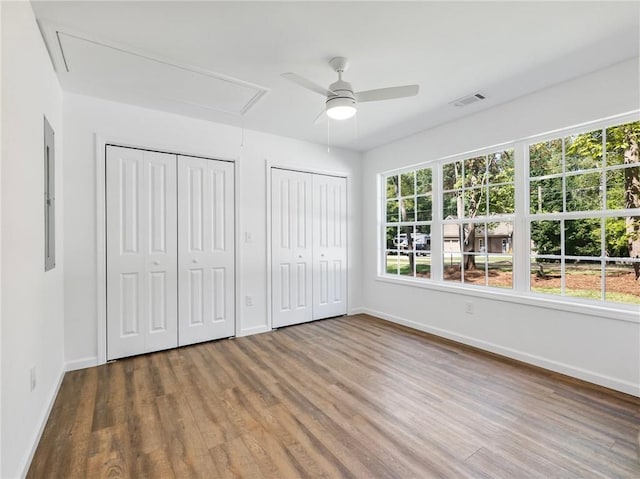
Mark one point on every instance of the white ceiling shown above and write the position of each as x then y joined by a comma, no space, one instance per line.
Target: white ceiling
502,49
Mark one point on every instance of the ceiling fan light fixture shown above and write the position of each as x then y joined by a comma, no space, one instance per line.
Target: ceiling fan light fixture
341,108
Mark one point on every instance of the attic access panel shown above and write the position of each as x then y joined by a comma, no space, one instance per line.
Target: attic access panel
113,67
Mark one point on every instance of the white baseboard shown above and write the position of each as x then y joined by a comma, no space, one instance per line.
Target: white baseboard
81,363
255,330
358,310
23,468
563,368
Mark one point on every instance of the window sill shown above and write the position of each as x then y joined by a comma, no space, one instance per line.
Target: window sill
630,313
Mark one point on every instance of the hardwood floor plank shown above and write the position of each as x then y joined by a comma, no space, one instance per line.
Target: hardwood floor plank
348,397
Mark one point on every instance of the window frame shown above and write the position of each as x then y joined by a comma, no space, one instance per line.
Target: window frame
521,292
384,224
566,215
482,220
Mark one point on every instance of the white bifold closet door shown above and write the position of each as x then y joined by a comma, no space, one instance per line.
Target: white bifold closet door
308,247
141,252
206,249
170,251
329,246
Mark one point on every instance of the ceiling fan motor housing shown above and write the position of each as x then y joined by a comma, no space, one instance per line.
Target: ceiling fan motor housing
343,94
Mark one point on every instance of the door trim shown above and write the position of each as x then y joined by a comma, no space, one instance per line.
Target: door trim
269,165
101,142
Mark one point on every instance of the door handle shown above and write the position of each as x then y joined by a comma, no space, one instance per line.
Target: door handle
194,261
157,263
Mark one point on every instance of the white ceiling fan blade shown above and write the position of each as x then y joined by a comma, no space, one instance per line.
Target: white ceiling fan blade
321,116
308,84
387,93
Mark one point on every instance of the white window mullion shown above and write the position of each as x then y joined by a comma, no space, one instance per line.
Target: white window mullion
437,249
521,234
382,221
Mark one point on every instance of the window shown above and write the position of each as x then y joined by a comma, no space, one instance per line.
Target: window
585,235
408,217
49,198
477,228
559,217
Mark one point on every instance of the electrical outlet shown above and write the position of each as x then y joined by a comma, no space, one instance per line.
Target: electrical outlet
468,307
248,300
33,378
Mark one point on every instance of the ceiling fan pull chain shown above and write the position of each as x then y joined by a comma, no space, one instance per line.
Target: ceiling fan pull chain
328,135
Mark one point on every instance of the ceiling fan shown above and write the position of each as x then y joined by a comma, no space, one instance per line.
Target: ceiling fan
341,101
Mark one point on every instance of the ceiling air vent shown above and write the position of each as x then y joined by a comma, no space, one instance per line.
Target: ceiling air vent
468,100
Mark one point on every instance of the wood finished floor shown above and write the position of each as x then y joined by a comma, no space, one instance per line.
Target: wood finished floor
347,397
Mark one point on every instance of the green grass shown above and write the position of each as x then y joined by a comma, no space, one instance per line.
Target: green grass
591,294
503,264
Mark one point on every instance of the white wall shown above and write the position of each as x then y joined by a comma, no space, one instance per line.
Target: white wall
84,117
32,300
1,156
593,347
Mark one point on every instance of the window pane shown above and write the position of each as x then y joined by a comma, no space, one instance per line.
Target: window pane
475,202
407,236
393,240
405,262
619,236
451,238
583,151
545,276
615,189
423,181
475,171
451,174
423,266
451,201
392,211
423,212
582,237
545,237
451,267
475,266
500,271
392,262
407,185
407,209
501,199
481,237
422,240
546,196
620,283
499,237
584,192
471,235
545,158
501,167
618,141
392,187
583,279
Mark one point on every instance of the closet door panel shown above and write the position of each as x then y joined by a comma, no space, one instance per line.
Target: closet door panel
329,246
291,229
161,251
141,252
206,249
